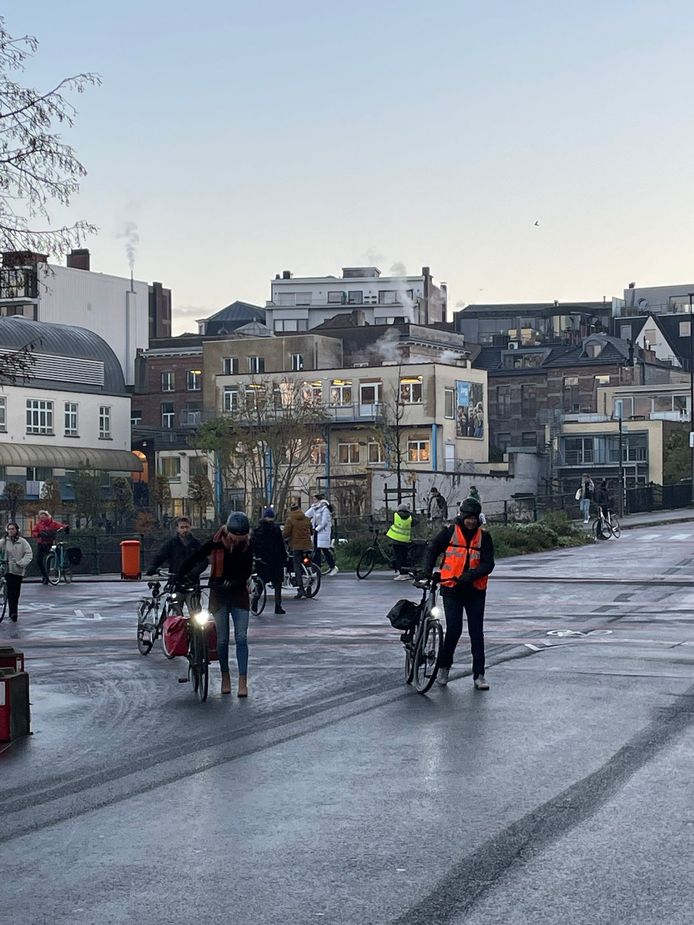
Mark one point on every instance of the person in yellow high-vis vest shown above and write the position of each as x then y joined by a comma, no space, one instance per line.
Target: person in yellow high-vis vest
468,560
400,532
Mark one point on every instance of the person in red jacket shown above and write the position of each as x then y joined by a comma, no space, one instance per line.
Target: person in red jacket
44,533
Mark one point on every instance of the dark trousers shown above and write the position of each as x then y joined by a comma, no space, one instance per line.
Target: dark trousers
14,586
329,556
472,602
298,563
400,551
41,552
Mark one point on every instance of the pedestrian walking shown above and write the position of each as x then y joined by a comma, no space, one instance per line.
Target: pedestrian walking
298,530
584,496
18,555
175,552
400,532
44,533
321,516
437,509
232,564
468,560
270,554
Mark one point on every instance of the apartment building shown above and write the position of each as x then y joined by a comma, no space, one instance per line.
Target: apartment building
303,303
71,411
531,324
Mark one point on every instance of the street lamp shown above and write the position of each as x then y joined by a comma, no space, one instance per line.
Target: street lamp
691,388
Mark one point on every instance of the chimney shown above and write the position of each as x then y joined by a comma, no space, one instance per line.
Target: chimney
78,259
286,274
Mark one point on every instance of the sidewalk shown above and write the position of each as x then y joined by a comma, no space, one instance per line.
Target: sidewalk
651,518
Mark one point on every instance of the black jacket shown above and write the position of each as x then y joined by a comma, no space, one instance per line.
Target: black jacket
174,553
439,544
231,587
268,545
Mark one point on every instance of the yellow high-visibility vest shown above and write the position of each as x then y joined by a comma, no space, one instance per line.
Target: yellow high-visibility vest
401,529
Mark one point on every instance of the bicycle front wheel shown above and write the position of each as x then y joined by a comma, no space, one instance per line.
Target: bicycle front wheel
616,529
145,630
312,579
52,568
366,563
199,663
258,595
426,658
409,661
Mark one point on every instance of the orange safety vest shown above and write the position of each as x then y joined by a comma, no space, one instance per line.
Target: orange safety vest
456,557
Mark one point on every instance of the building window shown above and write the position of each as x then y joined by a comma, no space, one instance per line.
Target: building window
529,438
336,297
578,451
685,328
194,380
571,399
3,414
135,417
39,473
312,392
71,419
167,381
256,365
387,297
449,403
39,416
503,441
231,398
411,390
503,401
528,401
418,451
197,465
348,453
170,467
230,366
192,416
602,380
253,397
289,325
355,297
297,362
370,393
341,393
167,415
375,453
319,453
104,422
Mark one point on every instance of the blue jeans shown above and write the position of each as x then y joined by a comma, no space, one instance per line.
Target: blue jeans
221,620
584,505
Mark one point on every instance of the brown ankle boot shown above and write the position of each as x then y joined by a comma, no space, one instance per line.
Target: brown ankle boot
243,686
226,682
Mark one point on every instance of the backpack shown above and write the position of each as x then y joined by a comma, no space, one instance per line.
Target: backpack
404,615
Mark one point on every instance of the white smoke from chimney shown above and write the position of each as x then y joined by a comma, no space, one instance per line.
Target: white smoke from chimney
132,239
398,269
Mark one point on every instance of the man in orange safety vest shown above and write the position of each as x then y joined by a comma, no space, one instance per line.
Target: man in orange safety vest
468,560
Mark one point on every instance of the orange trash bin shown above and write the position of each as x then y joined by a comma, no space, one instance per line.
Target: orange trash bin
130,560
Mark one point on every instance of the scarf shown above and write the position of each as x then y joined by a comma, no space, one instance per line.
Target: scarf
217,556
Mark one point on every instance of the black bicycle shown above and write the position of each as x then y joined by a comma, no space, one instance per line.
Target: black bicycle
377,552
199,625
257,590
424,639
3,589
162,603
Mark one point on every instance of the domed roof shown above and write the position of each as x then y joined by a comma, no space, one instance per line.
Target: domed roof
51,343
232,317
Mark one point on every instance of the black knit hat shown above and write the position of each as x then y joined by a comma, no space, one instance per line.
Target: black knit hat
470,508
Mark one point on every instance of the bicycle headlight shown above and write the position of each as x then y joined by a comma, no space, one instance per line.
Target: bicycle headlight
437,612
202,617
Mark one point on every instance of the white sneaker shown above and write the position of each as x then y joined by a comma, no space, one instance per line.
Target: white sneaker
334,570
402,577
442,676
481,683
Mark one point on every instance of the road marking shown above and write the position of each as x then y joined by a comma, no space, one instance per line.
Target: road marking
681,536
529,645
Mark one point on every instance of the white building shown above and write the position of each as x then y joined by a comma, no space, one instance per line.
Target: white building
71,411
302,303
114,307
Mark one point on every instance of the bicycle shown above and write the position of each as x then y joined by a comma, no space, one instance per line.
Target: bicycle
376,552
604,527
423,640
311,575
153,610
3,589
257,590
58,566
198,626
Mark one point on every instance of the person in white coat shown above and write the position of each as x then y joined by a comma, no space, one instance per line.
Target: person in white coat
320,515
18,555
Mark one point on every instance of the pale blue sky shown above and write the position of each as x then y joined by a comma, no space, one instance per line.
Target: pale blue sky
248,138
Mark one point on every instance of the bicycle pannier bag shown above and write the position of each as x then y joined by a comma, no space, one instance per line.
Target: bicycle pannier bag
175,636
403,615
74,555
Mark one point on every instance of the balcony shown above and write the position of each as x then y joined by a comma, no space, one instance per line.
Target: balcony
18,284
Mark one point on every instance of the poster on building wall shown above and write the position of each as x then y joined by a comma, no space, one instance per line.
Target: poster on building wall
469,421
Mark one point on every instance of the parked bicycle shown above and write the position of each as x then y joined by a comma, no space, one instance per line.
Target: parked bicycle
423,639
377,553
606,526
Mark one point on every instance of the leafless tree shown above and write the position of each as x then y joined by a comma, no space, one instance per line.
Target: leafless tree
37,168
389,430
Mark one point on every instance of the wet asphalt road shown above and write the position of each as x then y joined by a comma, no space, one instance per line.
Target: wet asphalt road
337,794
